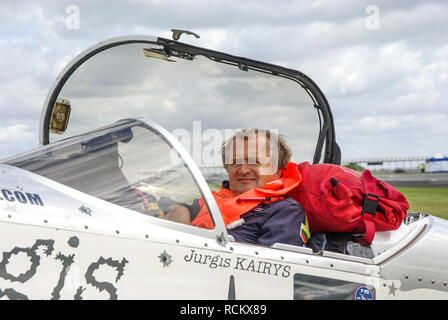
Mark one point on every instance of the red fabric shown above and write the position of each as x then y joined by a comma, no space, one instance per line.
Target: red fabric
232,206
337,206
145,200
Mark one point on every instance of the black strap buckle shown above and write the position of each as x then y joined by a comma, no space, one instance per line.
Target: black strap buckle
280,197
370,204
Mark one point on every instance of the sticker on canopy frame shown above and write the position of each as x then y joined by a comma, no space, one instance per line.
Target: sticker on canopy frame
364,293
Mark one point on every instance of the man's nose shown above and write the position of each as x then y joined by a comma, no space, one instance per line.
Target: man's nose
243,169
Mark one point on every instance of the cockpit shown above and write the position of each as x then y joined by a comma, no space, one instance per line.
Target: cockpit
129,163
139,122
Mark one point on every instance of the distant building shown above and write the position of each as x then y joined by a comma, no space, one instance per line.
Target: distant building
437,163
390,164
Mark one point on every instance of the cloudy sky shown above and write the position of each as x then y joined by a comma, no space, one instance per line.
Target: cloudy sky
383,65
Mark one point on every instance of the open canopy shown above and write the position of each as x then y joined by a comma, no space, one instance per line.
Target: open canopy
199,95
137,115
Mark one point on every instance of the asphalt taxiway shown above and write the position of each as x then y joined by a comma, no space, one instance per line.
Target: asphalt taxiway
419,180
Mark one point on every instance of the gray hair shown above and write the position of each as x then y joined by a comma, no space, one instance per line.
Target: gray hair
282,153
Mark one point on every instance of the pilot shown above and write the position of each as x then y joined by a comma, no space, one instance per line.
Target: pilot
253,201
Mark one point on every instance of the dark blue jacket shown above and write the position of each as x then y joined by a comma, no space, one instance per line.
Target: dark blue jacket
268,223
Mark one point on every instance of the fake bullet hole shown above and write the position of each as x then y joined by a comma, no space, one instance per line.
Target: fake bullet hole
146,236
117,232
73,242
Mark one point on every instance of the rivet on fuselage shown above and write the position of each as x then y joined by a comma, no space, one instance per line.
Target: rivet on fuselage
419,278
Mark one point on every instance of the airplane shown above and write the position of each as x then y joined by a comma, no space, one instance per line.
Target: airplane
82,216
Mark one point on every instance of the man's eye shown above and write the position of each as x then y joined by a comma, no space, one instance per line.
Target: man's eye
252,161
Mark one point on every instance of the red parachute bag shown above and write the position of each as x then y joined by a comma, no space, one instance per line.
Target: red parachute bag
338,199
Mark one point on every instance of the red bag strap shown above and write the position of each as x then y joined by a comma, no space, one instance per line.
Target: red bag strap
369,181
369,207
145,200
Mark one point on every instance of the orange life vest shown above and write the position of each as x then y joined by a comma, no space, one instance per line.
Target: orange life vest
232,206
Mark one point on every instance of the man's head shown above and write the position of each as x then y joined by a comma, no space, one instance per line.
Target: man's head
254,157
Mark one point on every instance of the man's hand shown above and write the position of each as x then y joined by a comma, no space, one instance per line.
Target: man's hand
177,213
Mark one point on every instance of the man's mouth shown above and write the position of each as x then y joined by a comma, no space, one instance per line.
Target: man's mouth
246,180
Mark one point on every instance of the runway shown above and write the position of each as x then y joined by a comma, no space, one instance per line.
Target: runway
419,180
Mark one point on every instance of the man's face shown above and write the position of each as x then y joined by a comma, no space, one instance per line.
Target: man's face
251,167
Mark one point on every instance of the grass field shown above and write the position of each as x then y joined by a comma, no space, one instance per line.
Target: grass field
433,201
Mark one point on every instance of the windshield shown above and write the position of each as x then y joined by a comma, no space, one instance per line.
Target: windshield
200,101
127,163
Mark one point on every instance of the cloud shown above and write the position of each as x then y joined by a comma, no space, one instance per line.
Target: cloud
386,86
14,137
14,133
122,83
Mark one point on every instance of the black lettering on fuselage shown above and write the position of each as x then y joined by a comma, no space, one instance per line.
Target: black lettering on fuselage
109,287
34,258
34,198
8,195
20,197
31,198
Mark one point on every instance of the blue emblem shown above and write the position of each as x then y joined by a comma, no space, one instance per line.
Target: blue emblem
364,293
